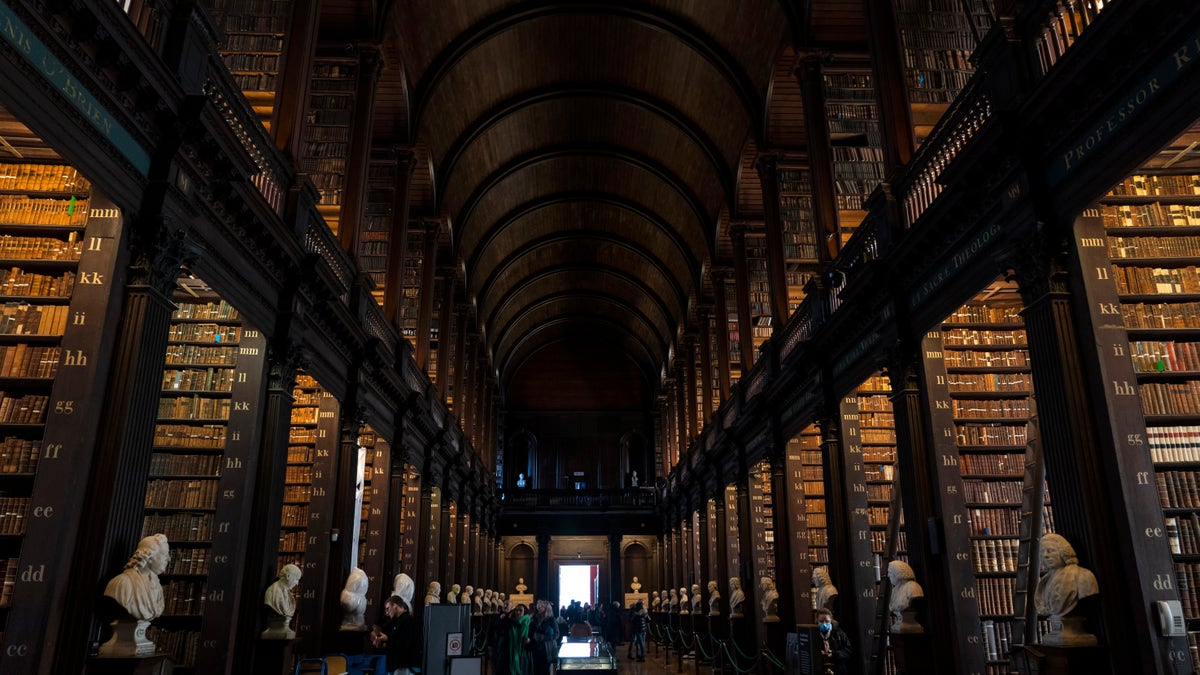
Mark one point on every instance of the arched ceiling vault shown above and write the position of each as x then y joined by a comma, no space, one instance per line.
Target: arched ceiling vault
584,151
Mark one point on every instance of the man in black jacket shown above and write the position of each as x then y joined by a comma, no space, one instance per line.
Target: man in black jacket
835,645
399,637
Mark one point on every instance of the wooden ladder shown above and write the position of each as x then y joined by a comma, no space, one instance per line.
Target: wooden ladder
1032,504
879,650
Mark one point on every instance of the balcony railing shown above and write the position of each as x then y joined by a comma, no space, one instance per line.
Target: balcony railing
579,500
1057,24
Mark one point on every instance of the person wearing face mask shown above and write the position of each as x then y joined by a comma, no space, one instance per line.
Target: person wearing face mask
834,645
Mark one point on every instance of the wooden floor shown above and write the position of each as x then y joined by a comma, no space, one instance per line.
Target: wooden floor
654,663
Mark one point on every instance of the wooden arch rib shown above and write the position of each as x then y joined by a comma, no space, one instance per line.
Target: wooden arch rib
600,278
575,150
668,24
511,219
558,92
551,307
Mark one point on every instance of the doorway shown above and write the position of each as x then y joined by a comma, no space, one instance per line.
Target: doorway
578,582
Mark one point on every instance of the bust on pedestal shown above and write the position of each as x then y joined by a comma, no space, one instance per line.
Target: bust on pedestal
452,596
282,604
404,586
636,586
465,598
655,601
684,605
714,599
905,590
521,587
1062,585
354,601
827,593
477,603
139,593
736,598
433,594
770,600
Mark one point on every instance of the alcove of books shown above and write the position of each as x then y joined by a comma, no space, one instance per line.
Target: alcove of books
856,142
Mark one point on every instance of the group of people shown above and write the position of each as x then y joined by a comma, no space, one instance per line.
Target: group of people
524,644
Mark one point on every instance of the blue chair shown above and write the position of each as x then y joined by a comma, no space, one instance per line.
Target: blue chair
311,667
362,664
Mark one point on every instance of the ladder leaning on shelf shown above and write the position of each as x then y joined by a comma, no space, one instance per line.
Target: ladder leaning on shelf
1032,511
882,618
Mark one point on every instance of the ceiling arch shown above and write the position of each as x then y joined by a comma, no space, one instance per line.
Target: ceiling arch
570,327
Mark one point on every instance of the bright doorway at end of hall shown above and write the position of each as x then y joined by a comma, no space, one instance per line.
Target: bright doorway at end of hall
579,583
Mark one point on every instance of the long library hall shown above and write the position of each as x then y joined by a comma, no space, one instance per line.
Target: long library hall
829,337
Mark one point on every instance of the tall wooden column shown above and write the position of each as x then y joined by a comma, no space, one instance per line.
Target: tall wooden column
741,277
850,546
887,66
295,65
722,332
543,566
428,289
681,405
347,512
767,166
393,291
793,577
706,369
820,158
689,367
358,157
446,329
615,594
115,493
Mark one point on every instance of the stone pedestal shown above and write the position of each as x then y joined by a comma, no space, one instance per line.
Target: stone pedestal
742,633
632,598
914,653
351,641
777,638
278,628
1052,660
160,664
128,640
274,656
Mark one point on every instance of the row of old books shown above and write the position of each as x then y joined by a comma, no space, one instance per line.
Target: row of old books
1151,356
19,455
25,210
1187,578
1156,280
208,379
1178,246
28,409
193,408
992,492
1170,398
1174,444
1004,464
299,454
23,360
171,464
987,359
217,311
181,494
292,542
298,475
995,595
183,598
994,555
209,436
197,355
182,645
1151,185
986,408
989,434
42,178
997,382
295,515
204,332
1178,489
179,527
15,281
994,522
10,566
193,561
1154,214
41,248
19,318
1183,534
973,337
13,511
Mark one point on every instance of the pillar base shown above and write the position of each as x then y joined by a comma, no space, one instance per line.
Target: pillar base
1052,660
914,653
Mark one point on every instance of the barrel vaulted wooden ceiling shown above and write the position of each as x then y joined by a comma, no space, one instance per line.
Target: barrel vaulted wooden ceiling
587,155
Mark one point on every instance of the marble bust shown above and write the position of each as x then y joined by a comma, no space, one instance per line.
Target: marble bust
282,604
1062,585
465,598
684,607
655,601
137,589
770,600
354,601
714,599
633,481
452,596
736,598
477,602
696,599
827,593
635,586
488,606
433,594
139,593
521,587
404,586
674,602
905,589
